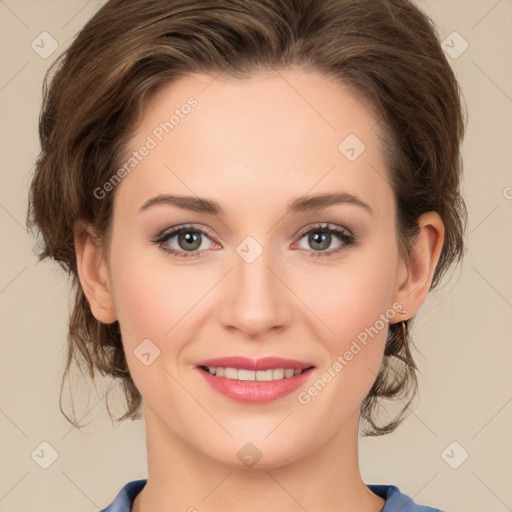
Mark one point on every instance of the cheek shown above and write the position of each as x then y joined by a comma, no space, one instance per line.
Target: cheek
354,303
142,304
351,297
151,301
153,298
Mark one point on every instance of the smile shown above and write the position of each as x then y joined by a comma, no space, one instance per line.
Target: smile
251,375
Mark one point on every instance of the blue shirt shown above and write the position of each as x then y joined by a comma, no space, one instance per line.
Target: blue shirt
395,500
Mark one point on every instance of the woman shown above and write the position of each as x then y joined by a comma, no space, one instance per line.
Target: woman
254,199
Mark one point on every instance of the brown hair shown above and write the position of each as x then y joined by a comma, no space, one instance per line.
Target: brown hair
386,51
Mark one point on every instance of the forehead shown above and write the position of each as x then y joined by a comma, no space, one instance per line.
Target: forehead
305,103
283,130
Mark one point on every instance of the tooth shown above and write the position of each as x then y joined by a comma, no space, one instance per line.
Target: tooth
246,375
251,375
231,373
278,374
264,375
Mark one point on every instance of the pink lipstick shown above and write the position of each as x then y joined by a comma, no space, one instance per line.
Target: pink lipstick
254,380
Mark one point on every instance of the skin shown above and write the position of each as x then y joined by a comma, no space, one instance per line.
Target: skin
253,145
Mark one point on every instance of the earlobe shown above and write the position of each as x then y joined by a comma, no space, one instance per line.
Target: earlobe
422,262
93,273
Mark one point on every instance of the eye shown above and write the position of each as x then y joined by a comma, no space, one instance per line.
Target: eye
188,238
320,237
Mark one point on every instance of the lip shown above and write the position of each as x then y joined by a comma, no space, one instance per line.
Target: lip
264,363
255,391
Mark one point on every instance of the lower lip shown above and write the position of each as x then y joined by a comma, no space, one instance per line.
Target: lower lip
255,391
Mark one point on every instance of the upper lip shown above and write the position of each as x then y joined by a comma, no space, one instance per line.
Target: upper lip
264,363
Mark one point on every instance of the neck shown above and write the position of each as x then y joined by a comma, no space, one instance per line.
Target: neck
181,478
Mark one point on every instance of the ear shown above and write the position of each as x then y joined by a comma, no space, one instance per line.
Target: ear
93,273
421,264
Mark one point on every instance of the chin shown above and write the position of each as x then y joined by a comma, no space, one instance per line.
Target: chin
259,453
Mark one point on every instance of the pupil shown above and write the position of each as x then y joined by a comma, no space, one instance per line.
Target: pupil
190,237
324,237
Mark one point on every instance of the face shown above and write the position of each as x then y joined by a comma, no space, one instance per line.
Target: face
267,275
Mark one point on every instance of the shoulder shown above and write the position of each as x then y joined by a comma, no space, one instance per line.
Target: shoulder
396,501
124,500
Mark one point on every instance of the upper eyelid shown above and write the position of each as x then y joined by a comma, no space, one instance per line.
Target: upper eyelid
329,226
181,227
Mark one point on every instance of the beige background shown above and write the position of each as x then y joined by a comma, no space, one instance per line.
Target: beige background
464,332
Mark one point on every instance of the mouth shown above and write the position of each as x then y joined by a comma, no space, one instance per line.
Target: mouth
256,381
252,375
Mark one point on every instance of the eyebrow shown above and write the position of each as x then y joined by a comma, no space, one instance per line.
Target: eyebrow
297,205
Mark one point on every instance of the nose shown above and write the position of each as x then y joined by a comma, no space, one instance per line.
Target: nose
256,299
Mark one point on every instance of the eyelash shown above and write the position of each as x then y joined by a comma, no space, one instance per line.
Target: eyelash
348,239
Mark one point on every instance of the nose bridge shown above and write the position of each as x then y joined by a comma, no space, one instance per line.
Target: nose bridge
257,299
